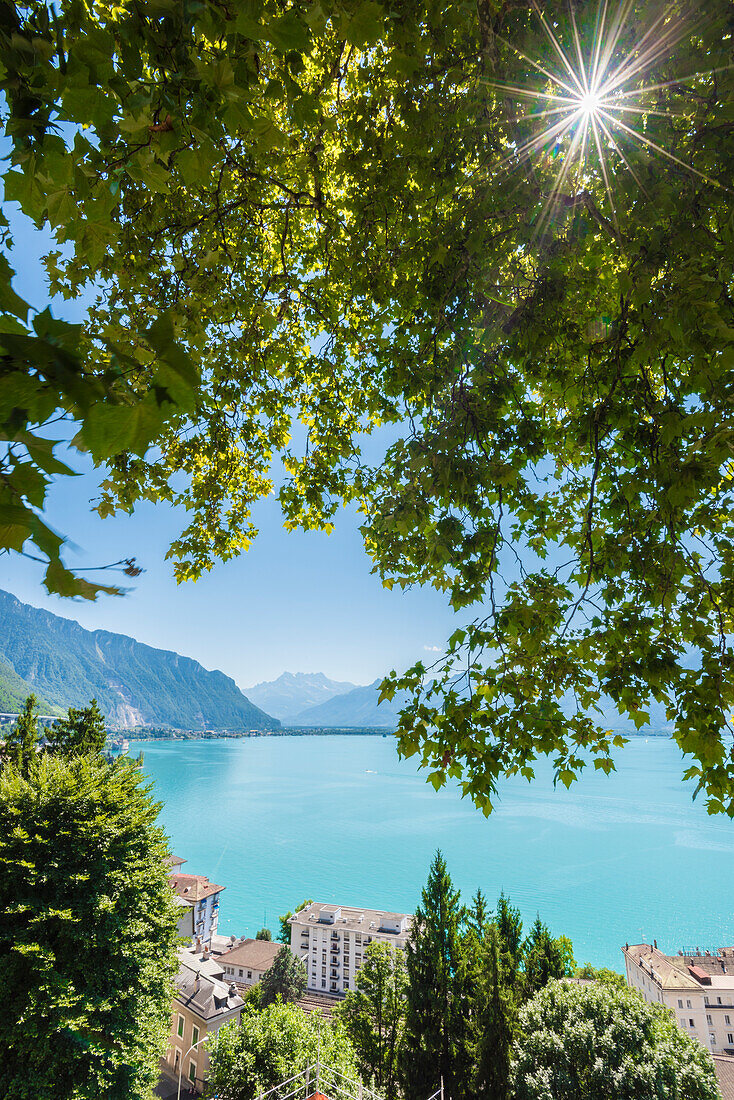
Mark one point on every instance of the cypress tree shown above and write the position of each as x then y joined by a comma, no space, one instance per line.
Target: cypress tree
494,1025
433,1005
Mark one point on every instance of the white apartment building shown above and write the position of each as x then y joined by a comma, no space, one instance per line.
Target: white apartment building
330,940
698,988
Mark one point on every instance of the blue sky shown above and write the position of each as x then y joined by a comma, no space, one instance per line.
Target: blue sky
304,602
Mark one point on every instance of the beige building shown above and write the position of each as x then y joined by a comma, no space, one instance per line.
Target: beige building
202,1003
247,960
698,988
330,940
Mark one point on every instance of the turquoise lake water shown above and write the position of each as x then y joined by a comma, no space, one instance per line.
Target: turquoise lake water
340,818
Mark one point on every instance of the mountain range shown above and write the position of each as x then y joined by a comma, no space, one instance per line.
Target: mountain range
293,692
356,708
134,684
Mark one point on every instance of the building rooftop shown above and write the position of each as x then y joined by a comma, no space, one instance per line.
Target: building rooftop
344,916
202,992
193,887
684,971
724,1067
175,861
256,954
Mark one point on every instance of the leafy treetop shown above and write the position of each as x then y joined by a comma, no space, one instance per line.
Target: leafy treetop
305,222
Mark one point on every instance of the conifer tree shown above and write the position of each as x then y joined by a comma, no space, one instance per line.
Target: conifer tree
478,914
21,742
544,958
433,1006
286,978
81,732
509,927
494,1025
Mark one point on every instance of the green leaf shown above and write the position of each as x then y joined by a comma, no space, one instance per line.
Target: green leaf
365,26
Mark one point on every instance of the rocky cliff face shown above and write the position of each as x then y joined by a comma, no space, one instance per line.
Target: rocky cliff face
133,683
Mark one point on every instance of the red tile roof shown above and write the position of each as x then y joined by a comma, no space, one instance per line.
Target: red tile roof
193,887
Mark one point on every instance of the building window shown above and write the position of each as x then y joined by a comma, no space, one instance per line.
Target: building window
323,971
192,1071
718,1000
249,973
323,985
680,1003
705,1000
727,1020
690,1023
712,1039
688,1004
194,1036
682,1021
180,1028
730,1038
709,1021
241,972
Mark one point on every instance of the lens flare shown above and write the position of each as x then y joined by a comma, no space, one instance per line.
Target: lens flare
590,99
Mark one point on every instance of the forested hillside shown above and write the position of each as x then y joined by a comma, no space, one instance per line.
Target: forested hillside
134,684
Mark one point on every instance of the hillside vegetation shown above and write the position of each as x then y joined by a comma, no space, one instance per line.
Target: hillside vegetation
133,683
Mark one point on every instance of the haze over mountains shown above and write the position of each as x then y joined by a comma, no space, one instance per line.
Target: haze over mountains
358,707
134,684
310,700
294,692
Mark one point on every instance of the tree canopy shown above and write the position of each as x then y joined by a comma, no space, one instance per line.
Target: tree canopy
595,1042
89,932
302,222
285,980
81,732
270,1046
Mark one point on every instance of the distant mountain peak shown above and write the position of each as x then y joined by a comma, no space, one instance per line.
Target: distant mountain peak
293,692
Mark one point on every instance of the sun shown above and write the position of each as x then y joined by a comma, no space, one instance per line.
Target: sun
594,97
590,103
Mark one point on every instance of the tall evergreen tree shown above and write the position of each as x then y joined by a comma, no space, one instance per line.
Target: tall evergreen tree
509,927
374,1014
81,732
89,932
544,958
478,914
22,741
433,1006
494,1024
285,980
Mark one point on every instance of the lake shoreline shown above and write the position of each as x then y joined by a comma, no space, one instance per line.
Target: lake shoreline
286,731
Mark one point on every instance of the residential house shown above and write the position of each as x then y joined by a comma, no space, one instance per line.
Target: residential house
698,987
202,1003
330,940
247,960
203,896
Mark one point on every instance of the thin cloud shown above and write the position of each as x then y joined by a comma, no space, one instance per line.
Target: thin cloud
432,648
